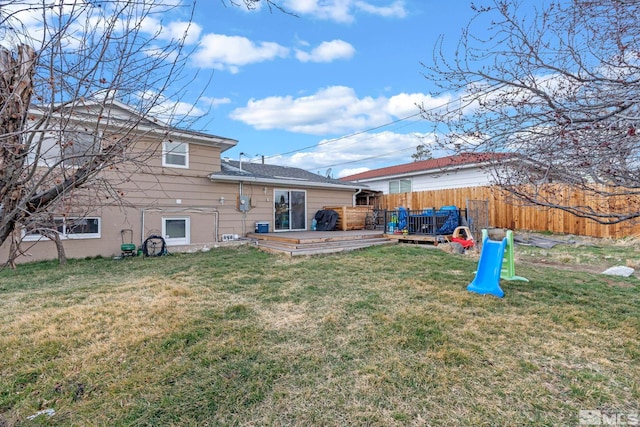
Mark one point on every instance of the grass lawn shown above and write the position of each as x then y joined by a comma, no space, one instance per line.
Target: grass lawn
386,336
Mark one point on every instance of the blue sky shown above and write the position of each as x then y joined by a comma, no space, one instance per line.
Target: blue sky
287,86
334,87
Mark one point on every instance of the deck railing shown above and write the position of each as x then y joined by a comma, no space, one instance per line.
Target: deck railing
430,221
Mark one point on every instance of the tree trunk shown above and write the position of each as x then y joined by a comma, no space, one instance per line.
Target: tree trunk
55,237
16,87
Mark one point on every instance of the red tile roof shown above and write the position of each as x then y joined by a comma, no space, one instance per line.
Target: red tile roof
427,165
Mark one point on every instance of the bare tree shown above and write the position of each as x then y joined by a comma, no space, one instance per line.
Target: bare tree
254,4
64,66
423,152
559,86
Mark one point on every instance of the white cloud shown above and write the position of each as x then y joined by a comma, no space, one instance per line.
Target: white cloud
394,10
168,110
367,151
19,14
230,52
223,52
343,10
181,108
333,10
337,110
87,20
214,102
327,52
406,104
351,171
177,30
330,111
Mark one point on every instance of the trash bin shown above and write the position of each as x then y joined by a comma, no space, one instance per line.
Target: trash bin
262,227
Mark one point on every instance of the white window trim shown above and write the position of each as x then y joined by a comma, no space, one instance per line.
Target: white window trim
90,138
181,240
165,152
399,181
51,152
64,236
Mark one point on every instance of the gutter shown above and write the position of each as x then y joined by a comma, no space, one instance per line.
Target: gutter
443,169
292,182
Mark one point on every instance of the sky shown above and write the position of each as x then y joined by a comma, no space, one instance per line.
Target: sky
332,90
331,87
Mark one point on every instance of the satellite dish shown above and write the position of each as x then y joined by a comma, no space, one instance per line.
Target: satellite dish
328,173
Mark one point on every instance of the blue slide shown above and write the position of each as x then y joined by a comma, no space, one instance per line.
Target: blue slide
487,280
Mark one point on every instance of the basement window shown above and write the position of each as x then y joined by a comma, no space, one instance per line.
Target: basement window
176,231
67,228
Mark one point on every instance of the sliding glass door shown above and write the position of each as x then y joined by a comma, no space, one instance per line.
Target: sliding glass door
290,210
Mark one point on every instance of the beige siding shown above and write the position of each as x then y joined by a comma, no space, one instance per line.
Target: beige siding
153,192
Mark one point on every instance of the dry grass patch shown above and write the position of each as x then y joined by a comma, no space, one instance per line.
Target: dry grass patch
386,336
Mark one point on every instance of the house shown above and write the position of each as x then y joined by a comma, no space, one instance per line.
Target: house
456,171
286,197
183,190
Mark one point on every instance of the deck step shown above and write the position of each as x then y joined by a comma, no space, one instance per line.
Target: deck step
316,248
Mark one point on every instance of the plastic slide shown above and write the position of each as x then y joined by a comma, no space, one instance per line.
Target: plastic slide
487,280
509,264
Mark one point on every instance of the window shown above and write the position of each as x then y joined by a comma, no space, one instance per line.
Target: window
175,154
79,147
175,231
400,186
68,228
71,147
82,228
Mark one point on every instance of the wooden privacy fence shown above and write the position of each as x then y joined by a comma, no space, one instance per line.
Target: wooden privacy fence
350,217
504,212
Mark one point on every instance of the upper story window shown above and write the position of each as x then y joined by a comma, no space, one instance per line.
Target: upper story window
68,147
175,154
400,186
78,147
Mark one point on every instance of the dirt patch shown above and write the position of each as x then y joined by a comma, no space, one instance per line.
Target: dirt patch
578,253
562,265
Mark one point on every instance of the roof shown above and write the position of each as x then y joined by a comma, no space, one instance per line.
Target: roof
425,166
233,170
123,116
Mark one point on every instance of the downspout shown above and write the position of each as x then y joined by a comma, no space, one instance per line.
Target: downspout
142,226
216,227
355,196
244,213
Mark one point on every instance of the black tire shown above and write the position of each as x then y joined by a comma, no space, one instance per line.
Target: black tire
154,245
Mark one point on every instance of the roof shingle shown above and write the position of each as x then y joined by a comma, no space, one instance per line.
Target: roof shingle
427,165
275,172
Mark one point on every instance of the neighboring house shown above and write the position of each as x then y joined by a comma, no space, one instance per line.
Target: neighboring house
457,171
186,193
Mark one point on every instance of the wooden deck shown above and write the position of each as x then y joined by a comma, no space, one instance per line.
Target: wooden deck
419,238
296,243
